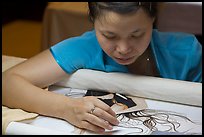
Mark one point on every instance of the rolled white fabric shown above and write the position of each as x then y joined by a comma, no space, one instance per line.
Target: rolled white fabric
177,91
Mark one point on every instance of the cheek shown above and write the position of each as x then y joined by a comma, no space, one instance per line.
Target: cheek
107,46
143,43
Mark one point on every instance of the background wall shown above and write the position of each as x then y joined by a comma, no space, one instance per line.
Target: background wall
30,10
24,33
22,27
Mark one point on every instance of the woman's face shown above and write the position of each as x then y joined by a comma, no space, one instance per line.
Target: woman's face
124,37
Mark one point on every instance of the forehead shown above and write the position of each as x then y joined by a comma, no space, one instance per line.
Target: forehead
115,20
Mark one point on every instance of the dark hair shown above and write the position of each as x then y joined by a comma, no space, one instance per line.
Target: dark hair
96,8
154,119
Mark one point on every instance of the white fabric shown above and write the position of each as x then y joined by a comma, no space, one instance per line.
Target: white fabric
18,128
177,91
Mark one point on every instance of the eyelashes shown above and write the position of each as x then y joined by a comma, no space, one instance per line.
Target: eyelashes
115,37
109,37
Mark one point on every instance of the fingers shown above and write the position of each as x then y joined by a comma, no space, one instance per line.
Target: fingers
104,106
100,116
105,112
91,127
105,116
95,115
98,121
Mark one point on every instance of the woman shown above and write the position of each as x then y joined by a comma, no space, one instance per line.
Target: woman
123,40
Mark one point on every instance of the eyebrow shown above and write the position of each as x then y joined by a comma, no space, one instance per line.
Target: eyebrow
104,31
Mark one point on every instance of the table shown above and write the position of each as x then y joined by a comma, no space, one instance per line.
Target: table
64,20
9,61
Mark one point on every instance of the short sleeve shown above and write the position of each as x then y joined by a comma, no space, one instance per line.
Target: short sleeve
74,53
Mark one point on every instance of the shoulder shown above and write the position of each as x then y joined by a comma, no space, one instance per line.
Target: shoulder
177,54
84,45
76,52
174,40
85,38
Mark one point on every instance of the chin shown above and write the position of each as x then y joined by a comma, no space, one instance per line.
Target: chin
129,63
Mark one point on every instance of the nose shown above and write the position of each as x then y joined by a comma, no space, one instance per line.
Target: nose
123,48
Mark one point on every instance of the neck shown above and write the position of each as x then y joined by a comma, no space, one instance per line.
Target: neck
144,65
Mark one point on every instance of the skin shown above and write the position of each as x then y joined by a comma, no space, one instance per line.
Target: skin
128,42
116,107
23,84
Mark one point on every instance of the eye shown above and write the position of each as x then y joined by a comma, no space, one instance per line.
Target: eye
137,36
109,36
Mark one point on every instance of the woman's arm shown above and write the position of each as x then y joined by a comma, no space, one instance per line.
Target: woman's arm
23,88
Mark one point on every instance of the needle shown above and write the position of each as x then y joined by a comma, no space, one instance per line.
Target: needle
121,96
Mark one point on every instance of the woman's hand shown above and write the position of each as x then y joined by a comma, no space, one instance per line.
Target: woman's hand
90,113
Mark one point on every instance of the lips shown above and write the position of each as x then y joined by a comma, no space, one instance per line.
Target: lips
124,61
124,58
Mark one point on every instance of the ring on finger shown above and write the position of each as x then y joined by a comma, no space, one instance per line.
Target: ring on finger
92,110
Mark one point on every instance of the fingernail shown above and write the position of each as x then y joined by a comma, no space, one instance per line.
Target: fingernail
110,127
101,130
117,122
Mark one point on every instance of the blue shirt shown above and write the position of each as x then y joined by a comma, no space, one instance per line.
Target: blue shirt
177,55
